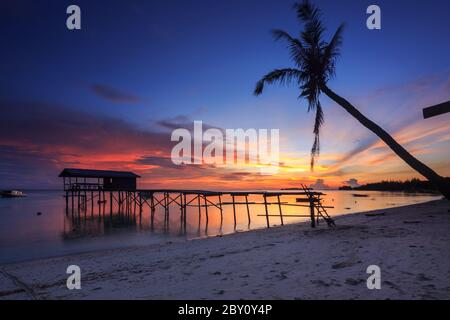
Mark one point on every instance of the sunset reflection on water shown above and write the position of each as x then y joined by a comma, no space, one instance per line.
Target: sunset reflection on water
25,235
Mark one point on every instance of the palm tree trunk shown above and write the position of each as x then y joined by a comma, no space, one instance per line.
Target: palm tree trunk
441,183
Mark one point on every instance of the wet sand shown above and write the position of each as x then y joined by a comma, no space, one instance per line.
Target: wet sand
410,244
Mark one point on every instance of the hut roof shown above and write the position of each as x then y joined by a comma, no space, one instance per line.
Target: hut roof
88,173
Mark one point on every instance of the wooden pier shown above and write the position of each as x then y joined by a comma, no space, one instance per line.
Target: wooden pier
92,188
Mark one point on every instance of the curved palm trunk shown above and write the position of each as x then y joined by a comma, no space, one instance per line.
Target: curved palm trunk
441,183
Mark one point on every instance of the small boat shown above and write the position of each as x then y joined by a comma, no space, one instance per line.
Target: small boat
12,194
361,195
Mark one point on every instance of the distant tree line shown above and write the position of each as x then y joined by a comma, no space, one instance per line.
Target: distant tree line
413,185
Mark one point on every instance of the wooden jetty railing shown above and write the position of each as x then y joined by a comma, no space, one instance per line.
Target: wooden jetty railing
128,201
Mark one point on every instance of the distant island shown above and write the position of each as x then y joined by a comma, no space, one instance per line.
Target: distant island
413,185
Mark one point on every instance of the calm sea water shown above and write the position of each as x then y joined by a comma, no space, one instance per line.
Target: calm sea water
25,235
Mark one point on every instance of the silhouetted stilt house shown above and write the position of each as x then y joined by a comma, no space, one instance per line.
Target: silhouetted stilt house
98,180
86,185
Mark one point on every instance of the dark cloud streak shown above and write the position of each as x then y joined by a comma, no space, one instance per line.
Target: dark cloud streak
114,95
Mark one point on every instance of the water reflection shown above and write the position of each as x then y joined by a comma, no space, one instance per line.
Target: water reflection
25,235
193,216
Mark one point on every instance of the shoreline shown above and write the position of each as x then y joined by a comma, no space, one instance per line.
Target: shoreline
283,262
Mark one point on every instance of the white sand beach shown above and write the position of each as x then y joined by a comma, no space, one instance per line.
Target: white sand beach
410,244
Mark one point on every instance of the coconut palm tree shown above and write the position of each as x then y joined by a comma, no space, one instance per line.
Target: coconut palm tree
315,61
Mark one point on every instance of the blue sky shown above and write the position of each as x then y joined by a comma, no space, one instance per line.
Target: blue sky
144,62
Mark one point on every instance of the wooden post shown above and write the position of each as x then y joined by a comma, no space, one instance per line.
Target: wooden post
126,203
152,202
72,202
67,202
184,212
318,211
103,203
199,211
248,209
165,209
221,211
152,210
78,196
234,210
181,212
121,197
130,211
206,210
140,205
279,208
311,212
85,195
168,210
83,203
267,211
92,202
99,204
110,203
122,201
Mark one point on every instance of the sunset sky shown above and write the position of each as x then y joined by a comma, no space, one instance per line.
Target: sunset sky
109,95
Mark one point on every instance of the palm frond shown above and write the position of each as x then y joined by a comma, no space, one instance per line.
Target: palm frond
306,11
295,45
332,51
280,34
309,15
281,76
313,34
336,42
318,122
